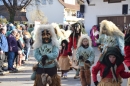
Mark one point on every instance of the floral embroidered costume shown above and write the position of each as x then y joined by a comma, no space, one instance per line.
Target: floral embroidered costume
45,52
111,36
85,56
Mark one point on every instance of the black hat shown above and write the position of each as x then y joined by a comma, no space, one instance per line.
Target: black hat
112,51
105,60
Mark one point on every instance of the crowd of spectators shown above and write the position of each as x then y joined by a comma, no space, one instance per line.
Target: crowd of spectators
15,45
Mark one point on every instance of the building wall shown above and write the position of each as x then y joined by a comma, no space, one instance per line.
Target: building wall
54,12
102,9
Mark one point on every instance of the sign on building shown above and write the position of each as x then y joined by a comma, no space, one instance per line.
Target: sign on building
80,15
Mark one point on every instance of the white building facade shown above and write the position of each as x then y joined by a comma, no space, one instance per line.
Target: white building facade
57,11
53,10
99,8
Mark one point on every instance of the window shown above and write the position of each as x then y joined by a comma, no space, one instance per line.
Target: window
112,0
44,2
50,1
70,2
37,2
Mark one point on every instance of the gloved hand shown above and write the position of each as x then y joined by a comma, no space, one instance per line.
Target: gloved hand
96,83
69,53
44,58
81,57
87,61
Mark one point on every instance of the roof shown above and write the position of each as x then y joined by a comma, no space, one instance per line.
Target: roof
19,16
75,7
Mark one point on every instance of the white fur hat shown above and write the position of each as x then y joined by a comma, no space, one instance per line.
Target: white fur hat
111,28
38,35
83,36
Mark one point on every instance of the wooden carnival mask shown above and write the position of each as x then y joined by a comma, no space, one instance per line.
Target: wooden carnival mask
46,36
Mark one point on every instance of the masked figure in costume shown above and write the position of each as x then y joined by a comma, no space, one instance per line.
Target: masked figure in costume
111,68
85,56
46,50
110,36
72,45
127,51
94,34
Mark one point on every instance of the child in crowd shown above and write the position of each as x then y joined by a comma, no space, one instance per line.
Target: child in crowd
64,59
85,56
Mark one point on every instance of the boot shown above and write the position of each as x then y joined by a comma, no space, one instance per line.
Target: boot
77,74
62,73
1,64
82,78
88,77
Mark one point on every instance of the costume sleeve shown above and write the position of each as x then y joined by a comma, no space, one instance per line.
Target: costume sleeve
75,42
92,56
54,54
37,55
70,44
77,53
99,39
122,72
121,44
95,70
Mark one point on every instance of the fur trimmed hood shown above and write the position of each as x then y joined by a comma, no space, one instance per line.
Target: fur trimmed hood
38,36
112,29
57,29
81,39
61,32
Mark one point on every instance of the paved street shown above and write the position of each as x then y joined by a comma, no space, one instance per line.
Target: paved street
23,77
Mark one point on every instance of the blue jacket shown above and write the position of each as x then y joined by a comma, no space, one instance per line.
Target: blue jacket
3,43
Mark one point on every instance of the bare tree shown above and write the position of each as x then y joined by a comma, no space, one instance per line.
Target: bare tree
15,5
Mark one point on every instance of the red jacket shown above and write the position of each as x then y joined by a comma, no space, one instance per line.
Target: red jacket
72,43
65,53
100,67
127,56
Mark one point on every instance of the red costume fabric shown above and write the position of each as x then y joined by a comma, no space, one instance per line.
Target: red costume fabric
64,53
100,67
127,56
72,42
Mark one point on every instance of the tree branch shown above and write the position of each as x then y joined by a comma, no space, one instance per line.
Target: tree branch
10,3
5,3
25,4
21,2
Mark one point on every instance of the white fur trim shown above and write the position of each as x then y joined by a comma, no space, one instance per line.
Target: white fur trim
83,36
38,35
112,29
61,32
66,33
57,28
